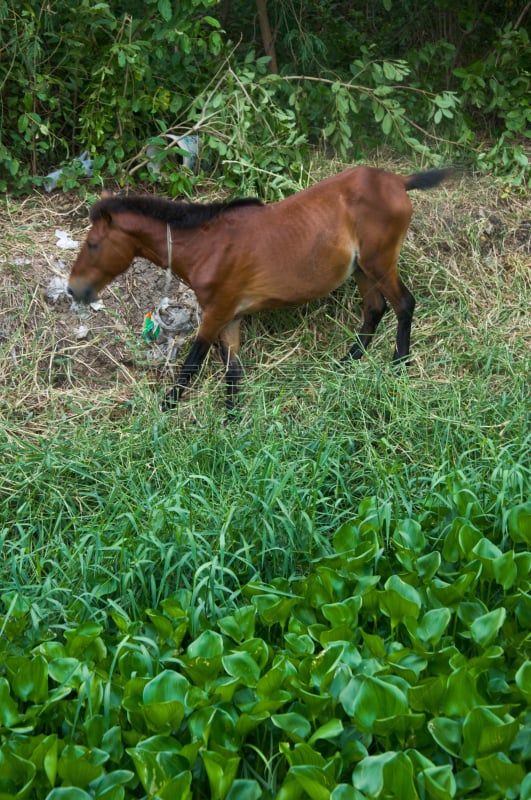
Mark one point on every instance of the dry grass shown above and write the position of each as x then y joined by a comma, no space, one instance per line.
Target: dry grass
467,260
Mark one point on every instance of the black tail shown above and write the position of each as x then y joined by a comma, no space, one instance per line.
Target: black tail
429,179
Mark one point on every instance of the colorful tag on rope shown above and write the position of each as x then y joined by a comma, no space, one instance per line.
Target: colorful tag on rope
151,331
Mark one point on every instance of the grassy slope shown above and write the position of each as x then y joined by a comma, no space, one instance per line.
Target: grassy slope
107,507
96,491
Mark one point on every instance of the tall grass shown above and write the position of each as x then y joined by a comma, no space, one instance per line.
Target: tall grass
105,502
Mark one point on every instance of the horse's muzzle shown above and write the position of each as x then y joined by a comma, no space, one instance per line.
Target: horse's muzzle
82,294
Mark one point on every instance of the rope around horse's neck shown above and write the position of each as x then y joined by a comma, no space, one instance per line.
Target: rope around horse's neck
169,245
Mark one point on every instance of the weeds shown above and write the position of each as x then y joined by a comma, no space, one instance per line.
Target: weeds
352,549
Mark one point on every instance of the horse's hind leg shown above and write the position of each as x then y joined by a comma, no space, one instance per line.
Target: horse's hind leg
404,305
378,280
374,307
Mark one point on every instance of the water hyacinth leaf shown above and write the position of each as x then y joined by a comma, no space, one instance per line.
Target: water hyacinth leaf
84,642
448,734
499,772
78,766
346,538
332,583
485,629
409,535
387,775
523,565
164,700
437,783
461,694
460,540
447,594
399,600
162,624
68,793
30,681
330,730
468,612
242,666
273,679
273,609
519,523
401,726
209,645
119,777
222,730
249,722
426,566
295,725
258,649
240,625
505,569
486,551
522,680
408,665
301,644
427,695
466,502
45,757
485,733
203,657
157,760
374,643
323,665
221,772
178,786
433,625
312,780
66,671
372,699
345,791
343,613
302,754
8,707
466,781
244,789
16,775
525,788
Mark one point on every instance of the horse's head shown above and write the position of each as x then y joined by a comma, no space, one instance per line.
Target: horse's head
107,252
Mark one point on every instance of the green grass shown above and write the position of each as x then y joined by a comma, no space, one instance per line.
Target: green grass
111,511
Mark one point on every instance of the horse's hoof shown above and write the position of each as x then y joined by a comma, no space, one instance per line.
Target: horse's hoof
168,404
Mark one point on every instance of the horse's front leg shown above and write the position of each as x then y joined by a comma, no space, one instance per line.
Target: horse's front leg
230,348
191,366
211,325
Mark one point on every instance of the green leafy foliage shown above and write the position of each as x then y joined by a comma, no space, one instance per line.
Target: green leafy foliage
128,81
369,677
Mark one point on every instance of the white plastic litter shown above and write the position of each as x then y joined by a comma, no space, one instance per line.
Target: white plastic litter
65,241
51,181
81,332
57,289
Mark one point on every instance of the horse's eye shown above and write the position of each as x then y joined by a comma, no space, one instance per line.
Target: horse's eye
92,245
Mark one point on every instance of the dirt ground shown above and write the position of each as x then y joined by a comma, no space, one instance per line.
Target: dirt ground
103,347
41,238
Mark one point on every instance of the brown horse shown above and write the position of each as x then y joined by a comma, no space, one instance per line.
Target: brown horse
242,256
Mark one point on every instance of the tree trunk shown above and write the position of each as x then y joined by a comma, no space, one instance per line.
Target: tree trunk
267,36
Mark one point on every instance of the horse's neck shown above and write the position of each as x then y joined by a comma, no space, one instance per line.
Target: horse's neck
162,245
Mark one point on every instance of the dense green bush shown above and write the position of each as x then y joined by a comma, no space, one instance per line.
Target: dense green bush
117,78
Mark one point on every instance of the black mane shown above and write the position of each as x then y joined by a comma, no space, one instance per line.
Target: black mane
178,213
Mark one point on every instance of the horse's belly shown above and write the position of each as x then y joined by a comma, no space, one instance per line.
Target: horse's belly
293,287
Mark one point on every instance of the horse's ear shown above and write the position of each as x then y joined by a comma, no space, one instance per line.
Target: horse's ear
105,193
